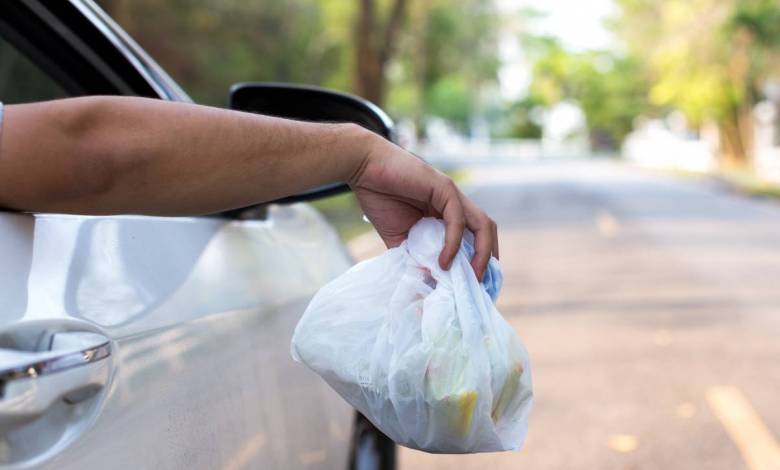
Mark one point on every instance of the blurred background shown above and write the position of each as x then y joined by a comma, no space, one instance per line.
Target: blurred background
554,78
630,151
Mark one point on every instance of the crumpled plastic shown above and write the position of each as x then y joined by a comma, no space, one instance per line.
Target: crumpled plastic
422,352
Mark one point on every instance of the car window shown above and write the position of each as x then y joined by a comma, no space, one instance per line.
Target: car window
21,81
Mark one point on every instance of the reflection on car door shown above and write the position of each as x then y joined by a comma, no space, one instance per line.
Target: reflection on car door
198,313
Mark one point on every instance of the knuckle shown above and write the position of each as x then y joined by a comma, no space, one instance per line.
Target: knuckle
448,183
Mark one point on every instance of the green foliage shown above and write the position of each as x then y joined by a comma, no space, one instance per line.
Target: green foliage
344,212
612,94
447,55
447,49
761,18
520,120
207,45
609,87
449,98
687,69
459,40
707,58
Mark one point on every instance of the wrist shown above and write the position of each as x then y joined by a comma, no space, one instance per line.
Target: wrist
361,141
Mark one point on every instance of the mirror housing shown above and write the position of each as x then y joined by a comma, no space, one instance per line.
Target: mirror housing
309,103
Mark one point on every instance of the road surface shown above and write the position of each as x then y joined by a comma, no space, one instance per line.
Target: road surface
651,309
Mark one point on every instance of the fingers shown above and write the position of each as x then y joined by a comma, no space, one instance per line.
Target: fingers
485,236
495,240
395,191
451,209
460,212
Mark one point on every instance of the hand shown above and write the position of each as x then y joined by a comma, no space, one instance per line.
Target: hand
395,190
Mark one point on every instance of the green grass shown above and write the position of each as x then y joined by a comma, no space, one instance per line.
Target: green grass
344,213
748,183
743,181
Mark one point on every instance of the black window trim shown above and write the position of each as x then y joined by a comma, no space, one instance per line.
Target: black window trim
83,50
155,75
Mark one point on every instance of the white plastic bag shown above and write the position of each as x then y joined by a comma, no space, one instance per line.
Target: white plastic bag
421,352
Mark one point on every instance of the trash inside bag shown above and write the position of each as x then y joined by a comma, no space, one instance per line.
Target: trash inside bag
421,352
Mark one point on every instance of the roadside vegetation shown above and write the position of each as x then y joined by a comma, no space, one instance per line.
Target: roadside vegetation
440,61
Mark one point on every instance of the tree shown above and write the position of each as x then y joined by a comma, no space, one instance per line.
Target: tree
375,44
706,58
609,87
416,58
207,45
447,55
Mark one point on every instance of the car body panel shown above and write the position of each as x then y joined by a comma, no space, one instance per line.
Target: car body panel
200,312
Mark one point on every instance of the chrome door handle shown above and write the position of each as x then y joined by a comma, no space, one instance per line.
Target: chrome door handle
73,369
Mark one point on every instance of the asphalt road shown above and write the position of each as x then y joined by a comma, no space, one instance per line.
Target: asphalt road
651,309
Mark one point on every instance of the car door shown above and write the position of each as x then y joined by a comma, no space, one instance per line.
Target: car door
149,342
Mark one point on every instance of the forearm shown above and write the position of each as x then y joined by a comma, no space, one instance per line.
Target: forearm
106,155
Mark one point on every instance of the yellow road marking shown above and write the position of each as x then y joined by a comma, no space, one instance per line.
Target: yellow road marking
623,442
606,224
313,457
754,440
686,410
662,338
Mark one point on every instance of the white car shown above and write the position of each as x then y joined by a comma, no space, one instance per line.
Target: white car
132,342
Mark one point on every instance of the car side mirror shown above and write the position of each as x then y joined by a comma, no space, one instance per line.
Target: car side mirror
310,103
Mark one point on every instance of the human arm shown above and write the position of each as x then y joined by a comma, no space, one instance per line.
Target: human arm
112,155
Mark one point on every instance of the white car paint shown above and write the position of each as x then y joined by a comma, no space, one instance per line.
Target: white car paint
198,313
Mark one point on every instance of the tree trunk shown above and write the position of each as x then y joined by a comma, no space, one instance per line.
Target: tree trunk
736,137
375,45
420,64
736,128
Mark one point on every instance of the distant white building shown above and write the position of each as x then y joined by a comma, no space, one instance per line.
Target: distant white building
666,144
767,135
656,144
565,131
